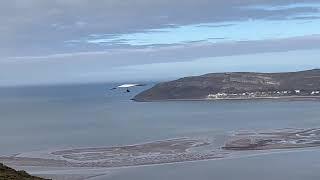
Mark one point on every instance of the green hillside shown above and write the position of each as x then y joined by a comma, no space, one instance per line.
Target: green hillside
7,173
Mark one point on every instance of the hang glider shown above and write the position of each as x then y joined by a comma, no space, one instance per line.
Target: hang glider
127,86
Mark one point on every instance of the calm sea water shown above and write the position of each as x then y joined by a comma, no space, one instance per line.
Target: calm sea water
41,118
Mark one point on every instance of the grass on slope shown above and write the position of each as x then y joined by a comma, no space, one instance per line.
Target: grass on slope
7,173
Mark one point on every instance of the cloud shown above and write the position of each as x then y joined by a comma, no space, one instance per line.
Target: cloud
176,52
42,27
52,41
297,5
107,66
251,30
264,62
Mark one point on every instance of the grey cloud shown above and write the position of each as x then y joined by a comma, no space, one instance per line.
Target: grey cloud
74,67
34,26
174,53
307,17
38,28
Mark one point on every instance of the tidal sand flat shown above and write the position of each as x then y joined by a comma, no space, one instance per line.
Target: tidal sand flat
159,152
171,150
280,139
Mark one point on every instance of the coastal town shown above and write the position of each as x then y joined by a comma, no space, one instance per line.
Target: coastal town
265,94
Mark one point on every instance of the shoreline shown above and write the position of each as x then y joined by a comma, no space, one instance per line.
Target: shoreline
293,98
170,150
83,163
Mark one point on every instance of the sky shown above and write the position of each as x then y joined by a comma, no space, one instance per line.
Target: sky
85,41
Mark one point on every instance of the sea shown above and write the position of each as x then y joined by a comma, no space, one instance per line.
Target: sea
39,118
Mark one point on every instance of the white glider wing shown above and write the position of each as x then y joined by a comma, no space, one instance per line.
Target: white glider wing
127,86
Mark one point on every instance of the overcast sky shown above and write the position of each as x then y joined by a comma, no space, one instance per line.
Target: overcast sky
80,41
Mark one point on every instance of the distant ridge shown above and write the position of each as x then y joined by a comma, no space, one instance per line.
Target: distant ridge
237,85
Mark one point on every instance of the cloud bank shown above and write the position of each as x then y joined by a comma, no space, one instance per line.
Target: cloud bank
58,41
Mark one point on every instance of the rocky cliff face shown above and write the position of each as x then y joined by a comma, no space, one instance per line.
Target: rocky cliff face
199,87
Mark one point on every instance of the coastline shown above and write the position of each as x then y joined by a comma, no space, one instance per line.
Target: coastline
105,173
169,150
271,98
85,163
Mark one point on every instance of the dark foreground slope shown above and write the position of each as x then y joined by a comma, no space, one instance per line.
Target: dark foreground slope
7,173
199,87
